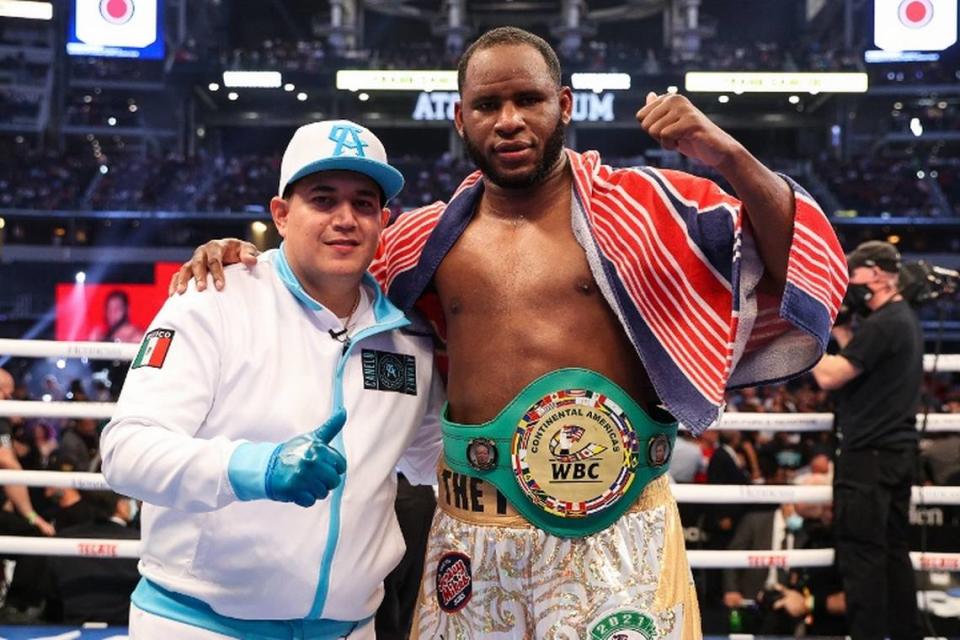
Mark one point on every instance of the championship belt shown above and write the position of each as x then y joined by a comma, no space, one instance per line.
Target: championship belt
571,453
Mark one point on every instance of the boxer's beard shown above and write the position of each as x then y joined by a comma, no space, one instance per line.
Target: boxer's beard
552,149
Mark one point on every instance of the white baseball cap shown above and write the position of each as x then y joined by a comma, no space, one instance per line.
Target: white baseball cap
338,144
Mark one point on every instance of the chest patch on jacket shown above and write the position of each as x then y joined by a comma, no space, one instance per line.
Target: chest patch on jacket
386,371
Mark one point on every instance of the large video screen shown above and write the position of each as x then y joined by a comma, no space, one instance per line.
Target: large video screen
111,312
116,28
914,25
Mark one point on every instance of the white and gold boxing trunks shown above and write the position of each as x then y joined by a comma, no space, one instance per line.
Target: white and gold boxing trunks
489,574
556,522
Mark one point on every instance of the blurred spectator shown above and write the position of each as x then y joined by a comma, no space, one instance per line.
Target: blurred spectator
69,507
727,466
785,449
746,400
44,442
30,587
775,529
686,459
940,457
811,600
26,521
872,185
93,589
80,442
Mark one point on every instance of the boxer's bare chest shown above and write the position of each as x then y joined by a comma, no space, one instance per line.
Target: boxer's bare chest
520,301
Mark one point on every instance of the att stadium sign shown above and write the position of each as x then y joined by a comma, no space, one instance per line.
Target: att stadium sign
587,106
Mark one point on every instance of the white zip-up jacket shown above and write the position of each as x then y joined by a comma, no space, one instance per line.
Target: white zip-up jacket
252,363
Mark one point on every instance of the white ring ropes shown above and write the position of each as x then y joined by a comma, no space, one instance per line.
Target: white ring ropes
699,559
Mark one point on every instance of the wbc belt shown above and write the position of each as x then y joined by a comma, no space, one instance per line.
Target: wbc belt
571,453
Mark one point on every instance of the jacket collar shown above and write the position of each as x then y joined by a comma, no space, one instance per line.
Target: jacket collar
383,309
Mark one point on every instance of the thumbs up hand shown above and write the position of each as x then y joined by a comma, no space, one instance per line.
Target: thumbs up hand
301,470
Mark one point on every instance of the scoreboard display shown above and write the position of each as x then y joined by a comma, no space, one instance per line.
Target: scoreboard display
116,29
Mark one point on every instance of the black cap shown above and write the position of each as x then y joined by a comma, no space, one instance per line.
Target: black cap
875,253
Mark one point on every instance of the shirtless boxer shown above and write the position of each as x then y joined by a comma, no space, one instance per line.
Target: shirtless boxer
577,302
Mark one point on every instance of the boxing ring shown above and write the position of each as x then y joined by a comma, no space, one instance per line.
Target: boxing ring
684,493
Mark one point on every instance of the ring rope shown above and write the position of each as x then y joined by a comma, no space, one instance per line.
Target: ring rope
111,548
699,559
685,493
792,422
128,351
41,409
65,349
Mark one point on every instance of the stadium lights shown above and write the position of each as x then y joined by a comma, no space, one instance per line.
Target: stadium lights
774,82
289,87
112,121
26,9
363,97
399,80
233,95
213,86
599,82
301,96
723,99
80,277
104,169
915,127
253,79
793,99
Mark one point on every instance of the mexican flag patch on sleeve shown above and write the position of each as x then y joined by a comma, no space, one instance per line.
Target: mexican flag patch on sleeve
154,349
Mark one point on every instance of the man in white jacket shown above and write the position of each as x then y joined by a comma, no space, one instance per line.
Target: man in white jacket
262,426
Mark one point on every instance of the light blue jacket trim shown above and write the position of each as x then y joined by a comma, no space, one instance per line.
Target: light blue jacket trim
153,598
247,469
387,317
383,309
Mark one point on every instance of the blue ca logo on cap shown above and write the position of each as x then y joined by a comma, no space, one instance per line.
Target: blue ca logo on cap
347,137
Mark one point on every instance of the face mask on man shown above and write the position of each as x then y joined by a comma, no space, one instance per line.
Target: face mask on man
858,295
794,522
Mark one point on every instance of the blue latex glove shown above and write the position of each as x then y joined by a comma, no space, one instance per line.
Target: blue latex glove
302,470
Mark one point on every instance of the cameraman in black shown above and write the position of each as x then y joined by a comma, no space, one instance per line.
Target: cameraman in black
877,377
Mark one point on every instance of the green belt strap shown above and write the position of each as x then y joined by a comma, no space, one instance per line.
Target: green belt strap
650,444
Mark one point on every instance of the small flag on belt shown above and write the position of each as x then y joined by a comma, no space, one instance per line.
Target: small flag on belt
154,349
